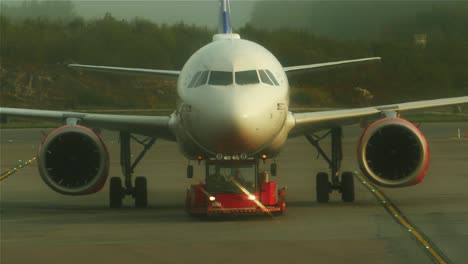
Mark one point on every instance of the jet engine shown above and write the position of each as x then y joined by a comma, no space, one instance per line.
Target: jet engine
392,152
73,160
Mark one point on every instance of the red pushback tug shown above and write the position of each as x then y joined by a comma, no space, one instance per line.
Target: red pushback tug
235,187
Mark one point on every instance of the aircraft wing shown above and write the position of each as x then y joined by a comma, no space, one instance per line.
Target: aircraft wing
328,65
128,71
314,121
145,125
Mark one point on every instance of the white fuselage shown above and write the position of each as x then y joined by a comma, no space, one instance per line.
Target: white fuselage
236,106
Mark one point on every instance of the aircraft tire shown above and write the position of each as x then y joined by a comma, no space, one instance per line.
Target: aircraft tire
115,192
322,187
141,192
347,187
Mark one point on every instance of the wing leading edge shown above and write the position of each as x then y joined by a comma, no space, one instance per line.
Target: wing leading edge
328,65
145,125
312,121
128,71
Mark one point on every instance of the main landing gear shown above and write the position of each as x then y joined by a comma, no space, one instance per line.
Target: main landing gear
139,190
325,185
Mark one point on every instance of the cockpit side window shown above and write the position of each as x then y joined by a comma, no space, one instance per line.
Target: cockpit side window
202,79
246,77
272,77
265,78
194,79
220,78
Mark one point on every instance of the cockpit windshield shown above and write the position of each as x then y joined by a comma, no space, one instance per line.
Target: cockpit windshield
194,79
272,77
202,79
225,178
199,79
265,78
220,78
223,78
268,77
247,77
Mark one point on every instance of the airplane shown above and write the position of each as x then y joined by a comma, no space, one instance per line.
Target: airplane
233,105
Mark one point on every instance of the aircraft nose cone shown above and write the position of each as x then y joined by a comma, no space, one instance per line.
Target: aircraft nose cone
240,132
242,126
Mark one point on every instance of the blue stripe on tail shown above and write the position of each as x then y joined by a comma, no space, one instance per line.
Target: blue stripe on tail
226,23
225,17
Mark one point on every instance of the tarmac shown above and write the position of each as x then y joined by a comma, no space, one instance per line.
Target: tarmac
38,225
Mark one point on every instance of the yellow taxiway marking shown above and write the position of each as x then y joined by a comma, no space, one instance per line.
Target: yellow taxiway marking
14,170
398,216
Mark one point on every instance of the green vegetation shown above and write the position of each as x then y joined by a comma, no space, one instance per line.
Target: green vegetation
34,52
139,43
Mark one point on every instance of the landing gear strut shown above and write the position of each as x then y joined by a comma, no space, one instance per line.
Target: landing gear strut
324,185
139,190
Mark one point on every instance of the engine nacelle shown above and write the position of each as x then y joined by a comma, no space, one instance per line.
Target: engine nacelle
73,160
393,152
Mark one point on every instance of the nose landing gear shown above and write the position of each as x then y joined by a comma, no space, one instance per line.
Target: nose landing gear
324,186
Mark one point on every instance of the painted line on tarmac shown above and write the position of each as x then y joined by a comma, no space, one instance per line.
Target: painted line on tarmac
14,170
435,254
458,139
23,219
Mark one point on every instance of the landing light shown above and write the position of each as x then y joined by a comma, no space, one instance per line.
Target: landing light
252,197
212,198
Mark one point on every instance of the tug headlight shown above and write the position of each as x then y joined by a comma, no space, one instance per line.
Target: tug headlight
212,198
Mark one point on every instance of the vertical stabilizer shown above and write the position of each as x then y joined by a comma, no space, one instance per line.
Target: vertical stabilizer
225,17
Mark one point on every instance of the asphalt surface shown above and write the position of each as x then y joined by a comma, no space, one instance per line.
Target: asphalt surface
38,225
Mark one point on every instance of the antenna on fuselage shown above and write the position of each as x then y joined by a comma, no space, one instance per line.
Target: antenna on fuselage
225,17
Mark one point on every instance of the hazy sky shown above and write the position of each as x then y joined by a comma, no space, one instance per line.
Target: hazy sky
200,12
190,11
333,18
